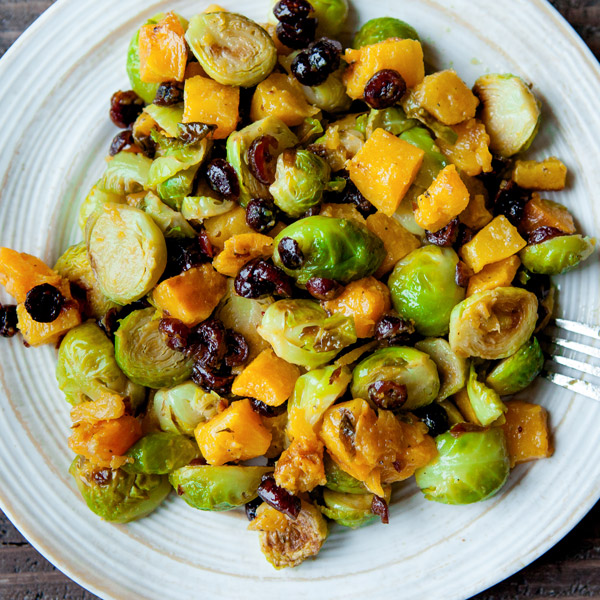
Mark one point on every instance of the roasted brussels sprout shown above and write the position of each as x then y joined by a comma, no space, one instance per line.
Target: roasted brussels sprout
350,510
332,248
395,121
181,408
115,495
511,113
94,200
402,365
340,481
413,109
232,49
143,354
342,140
516,372
494,323
116,231
331,16
206,487
87,369
383,28
169,221
300,180
180,159
126,173
557,255
329,96
168,119
301,332
485,402
198,208
423,288
160,453
470,467
174,190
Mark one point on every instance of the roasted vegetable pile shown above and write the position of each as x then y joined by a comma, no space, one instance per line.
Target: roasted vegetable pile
328,261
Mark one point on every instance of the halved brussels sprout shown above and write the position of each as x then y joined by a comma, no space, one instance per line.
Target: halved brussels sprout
469,468
485,402
302,333
177,157
350,510
402,365
167,118
511,113
557,255
331,16
309,131
383,28
206,487
342,140
169,221
94,200
115,495
175,189
332,248
127,252
414,110
516,372
300,181
125,173
340,481
494,323
143,354
232,49
454,415
198,208
160,453
423,288
395,121
87,369
238,144
452,369
182,408
329,96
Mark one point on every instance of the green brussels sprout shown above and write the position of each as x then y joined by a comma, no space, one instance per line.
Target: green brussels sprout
350,510
485,402
217,488
169,221
167,118
470,467
381,29
127,252
174,190
395,121
414,110
557,255
331,95
238,144
333,248
118,496
309,131
301,332
160,453
232,49
95,199
510,112
516,372
180,409
300,181
452,369
198,208
143,354
87,370
454,415
174,160
424,289
339,481
402,365
125,173
342,140
494,323
331,16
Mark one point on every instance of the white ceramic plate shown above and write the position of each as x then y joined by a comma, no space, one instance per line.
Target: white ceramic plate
56,84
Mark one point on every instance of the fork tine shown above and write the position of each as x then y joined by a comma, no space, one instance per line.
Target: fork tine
576,364
579,387
578,347
581,328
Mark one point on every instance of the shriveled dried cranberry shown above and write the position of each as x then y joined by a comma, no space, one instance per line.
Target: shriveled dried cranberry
297,35
262,162
123,139
352,195
185,253
288,11
208,343
250,508
237,349
463,274
446,236
394,329
199,461
384,89
379,507
465,235
110,321
347,431
279,498
8,320
313,211
264,410
261,215
190,133
388,395
212,380
259,278
510,201
169,93
125,107
176,332
290,253
222,178
435,417
323,288
314,65
541,234
44,303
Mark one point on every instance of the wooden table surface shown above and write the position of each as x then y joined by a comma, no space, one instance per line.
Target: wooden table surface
570,570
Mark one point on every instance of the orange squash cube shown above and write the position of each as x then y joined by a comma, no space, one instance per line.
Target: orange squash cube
267,378
210,102
37,334
223,227
527,432
106,408
498,274
384,169
163,51
239,250
496,241
192,296
549,174
404,56
445,199
546,213
300,467
235,434
476,215
470,153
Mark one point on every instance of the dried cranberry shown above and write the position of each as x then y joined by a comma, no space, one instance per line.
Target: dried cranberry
222,178
199,461
251,507
351,195
212,380
191,133
102,476
8,320
435,417
394,330
176,332
384,89
169,93
110,321
290,253
314,65
323,288
260,278
297,35
465,235
186,253
463,274
125,107
288,11
237,349
388,395
208,343
510,201
347,432
279,498
541,234
446,236
123,139
264,410
379,507
261,161
44,303
261,215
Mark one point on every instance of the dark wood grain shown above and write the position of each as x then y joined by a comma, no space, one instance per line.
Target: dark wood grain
571,570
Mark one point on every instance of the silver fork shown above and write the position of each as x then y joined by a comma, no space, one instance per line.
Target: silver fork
574,385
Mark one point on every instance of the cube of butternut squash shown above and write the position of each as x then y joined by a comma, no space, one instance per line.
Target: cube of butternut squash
384,169
192,296
445,199
445,96
240,249
404,56
207,101
281,96
163,51
222,227
546,213
527,432
36,334
342,211
267,378
496,241
470,153
476,215
498,274
300,468
235,434
549,174
397,240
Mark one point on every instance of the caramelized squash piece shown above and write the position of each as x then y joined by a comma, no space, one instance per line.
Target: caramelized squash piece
549,174
106,408
342,211
546,213
300,468
470,153
36,334
476,215
498,274
222,227
239,250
